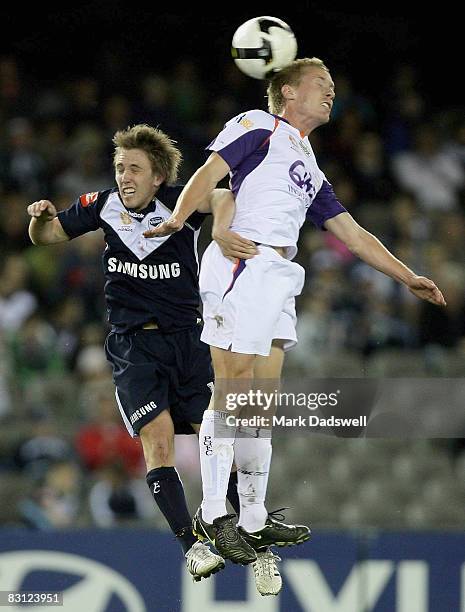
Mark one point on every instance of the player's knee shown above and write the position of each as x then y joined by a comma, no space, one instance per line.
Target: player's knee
229,365
236,370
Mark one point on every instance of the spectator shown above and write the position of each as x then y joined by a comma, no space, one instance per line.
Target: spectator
433,175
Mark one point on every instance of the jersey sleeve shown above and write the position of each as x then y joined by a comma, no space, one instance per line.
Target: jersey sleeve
325,206
84,214
243,135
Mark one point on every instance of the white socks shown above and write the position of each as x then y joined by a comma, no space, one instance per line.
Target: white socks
216,442
218,447
253,457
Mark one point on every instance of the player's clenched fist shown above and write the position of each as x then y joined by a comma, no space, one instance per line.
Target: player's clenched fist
43,210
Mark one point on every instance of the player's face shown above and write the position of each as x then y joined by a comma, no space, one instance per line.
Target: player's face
314,95
137,182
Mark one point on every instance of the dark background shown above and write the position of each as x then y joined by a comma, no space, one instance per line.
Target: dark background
113,37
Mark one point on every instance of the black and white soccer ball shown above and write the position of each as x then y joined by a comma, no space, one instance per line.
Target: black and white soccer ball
262,46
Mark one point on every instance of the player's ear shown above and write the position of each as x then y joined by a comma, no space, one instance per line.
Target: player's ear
158,180
288,92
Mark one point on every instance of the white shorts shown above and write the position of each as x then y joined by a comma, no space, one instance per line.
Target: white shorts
248,304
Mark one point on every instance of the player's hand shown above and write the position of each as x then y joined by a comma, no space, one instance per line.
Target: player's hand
425,289
42,210
166,228
234,246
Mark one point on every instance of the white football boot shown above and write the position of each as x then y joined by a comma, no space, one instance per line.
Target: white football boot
202,562
267,577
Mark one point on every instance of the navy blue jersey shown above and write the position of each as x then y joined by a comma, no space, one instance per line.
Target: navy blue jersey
146,279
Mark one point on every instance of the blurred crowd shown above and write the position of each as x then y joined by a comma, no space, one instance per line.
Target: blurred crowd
396,162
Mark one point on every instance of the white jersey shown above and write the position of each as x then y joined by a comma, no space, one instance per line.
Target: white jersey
275,179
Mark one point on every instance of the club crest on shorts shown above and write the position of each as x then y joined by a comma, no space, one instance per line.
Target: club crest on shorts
219,320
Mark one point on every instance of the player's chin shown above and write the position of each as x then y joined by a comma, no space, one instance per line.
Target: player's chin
323,118
131,202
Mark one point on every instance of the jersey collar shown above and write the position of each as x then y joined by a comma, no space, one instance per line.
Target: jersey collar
139,214
302,136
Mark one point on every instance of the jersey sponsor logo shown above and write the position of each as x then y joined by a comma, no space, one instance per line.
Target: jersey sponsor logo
154,272
125,218
301,177
294,144
299,145
142,411
135,214
305,149
154,221
88,198
246,123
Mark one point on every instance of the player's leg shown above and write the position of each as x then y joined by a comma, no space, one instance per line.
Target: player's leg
163,480
142,396
271,531
242,304
253,449
232,494
253,458
216,442
216,437
157,439
194,388
254,519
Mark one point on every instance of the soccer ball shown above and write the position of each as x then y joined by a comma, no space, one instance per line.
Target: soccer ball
262,46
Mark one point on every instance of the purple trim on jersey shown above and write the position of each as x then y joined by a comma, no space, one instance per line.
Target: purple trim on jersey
238,150
324,206
239,267
239,174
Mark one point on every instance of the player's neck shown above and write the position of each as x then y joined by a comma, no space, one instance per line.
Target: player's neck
305,125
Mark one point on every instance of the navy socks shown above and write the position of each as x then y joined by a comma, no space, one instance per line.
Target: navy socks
167,491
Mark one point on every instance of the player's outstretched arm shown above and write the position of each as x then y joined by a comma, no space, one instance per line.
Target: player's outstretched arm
45,227
194,195
373,252
232,245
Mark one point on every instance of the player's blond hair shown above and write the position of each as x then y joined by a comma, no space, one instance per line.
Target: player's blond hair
290,75
161,150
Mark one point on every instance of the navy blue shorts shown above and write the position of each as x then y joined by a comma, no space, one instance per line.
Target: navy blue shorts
155,371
